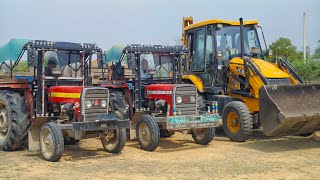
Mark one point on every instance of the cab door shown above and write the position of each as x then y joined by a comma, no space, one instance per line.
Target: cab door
200,44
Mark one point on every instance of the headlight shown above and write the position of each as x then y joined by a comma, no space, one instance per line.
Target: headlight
103,103
179,99
88,104
192,99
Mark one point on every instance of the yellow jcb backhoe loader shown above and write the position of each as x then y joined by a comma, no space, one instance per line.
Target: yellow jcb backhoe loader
227,64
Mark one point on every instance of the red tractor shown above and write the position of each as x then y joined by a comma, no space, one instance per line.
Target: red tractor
159,104
58,104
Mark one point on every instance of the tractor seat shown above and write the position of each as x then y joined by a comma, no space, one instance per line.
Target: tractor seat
72,70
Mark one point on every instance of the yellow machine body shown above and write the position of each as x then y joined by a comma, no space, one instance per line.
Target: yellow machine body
284,109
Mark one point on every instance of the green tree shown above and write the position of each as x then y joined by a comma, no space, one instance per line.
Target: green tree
284,47
310,71
21,67
316,54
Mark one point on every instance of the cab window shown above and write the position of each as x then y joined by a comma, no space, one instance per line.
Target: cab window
198,58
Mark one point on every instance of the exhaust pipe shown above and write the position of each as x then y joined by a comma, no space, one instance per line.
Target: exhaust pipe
241,37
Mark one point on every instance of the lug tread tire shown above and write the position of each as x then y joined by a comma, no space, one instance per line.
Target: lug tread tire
200,102
18,121
206,139
245,118
119,106
154,129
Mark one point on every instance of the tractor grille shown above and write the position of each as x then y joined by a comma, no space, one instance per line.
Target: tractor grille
279,81
185,92
95,95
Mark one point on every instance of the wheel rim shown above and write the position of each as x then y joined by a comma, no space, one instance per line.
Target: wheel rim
47,143
110,139
233,122
144,133
4,124
200,133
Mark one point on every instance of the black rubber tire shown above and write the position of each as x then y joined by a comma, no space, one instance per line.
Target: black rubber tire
204,139
118,104
70,141
200,101
166,133
306,134
117,144
153,127
245,120
57,142
18,122
256,125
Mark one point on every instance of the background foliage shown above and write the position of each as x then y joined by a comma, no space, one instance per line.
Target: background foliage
310,70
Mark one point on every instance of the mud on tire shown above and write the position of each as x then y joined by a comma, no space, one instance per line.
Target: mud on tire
13,132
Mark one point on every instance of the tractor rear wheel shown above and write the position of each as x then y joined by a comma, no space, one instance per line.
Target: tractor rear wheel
51,142
14,121
203,136
114,140
237,121
148,134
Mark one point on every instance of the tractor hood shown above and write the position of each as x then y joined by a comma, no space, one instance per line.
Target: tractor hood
267,69
65,94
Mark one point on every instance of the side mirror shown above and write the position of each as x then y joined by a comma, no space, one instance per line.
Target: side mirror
269,53
31,53
131,61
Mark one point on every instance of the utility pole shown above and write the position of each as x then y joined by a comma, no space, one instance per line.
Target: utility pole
304,38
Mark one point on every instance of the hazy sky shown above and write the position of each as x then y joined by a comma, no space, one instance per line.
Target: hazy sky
108,22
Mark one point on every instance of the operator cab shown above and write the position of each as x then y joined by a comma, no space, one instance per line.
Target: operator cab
59,64
213,44
64,63
142,65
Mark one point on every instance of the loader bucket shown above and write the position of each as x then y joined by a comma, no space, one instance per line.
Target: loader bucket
289,109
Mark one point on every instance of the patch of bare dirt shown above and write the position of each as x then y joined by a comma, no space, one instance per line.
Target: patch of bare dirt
177,157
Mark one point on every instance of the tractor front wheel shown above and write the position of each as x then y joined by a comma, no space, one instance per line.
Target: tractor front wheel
237,121
51,142
203,136
148,134
114,140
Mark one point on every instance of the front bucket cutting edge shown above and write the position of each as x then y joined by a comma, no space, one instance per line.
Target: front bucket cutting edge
290,109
